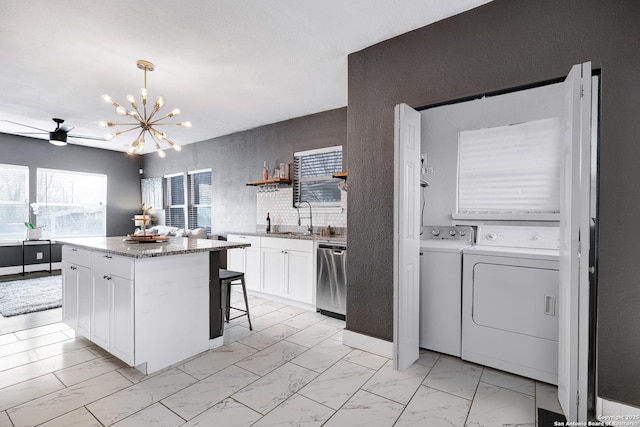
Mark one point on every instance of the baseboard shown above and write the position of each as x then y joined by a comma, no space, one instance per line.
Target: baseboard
282,300
609,411
364,342
17,269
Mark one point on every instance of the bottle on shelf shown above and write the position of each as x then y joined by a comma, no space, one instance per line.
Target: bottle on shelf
268,223
265,172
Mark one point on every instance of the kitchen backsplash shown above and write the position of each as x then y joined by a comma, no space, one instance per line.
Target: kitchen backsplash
284,217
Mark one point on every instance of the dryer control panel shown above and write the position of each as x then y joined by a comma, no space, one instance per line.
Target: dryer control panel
519,236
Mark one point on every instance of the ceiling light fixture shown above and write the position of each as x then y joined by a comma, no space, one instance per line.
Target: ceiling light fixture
146,121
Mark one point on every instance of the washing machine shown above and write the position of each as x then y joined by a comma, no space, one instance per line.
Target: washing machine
510,284
441,287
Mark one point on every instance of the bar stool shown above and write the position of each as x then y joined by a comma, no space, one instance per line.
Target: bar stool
229,278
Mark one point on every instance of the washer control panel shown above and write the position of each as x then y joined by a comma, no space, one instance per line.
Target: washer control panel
519,236
447,232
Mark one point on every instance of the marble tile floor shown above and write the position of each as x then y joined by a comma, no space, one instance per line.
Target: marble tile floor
291,370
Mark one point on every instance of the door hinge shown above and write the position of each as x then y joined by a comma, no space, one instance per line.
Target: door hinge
579,248
581,91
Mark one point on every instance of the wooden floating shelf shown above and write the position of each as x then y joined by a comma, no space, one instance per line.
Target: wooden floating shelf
341,175
270,181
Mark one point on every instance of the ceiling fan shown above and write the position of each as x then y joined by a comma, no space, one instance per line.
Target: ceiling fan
58,136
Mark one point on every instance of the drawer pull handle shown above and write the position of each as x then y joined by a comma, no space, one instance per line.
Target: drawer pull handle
107,256
73,267
549,305
106,277
74,250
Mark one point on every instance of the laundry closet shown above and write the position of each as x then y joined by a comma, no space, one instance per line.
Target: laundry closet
490,184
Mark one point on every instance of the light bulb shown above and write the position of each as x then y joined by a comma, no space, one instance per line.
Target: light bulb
177,147
159,101
131,149
143,92
103,124
110,136
121,110
161,153
184,124
106,98
131,99
174,112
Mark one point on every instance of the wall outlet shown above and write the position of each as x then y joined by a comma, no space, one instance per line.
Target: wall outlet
38,255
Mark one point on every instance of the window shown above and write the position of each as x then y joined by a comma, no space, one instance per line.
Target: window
174,200
509,170
14,201
313,176
199,196
71,204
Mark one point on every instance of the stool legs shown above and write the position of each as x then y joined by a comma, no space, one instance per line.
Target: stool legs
246,302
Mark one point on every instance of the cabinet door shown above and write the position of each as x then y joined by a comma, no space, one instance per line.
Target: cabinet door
100,308
85,291
273,271
69,294
121,328
235,259
252,268
299,279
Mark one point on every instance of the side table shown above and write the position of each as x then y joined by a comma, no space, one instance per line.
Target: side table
28,243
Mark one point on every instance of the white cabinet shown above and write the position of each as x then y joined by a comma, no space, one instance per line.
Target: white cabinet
77,290
112,321
287,268
246,260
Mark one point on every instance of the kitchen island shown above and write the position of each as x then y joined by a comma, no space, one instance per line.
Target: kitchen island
149,304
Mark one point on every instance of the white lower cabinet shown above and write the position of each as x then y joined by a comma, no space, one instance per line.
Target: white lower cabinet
287,268
246,260
77,290
112,324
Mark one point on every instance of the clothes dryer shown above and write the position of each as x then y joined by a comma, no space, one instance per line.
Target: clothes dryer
509,303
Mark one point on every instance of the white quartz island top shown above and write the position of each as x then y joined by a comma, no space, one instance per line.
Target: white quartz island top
174,246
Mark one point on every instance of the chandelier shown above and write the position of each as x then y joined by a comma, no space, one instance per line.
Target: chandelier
146,121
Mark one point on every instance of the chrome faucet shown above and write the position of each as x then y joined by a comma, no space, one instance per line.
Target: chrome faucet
310,229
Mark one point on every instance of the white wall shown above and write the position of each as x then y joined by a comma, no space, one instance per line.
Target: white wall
440,128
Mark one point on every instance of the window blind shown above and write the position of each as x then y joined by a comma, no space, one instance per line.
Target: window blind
510,169
313,181
14,201
199,197
71,203
174,200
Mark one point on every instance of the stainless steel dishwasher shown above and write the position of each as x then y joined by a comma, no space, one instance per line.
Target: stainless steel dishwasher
331,291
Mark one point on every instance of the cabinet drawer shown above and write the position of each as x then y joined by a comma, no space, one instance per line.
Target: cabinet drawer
77,256
254,241
113,264
288,244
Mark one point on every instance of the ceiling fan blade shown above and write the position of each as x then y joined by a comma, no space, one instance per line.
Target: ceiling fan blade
95,138
21,124
66,128
31,133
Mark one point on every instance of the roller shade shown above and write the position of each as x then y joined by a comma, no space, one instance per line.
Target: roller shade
510,169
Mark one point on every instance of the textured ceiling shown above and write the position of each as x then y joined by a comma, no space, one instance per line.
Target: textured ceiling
229,65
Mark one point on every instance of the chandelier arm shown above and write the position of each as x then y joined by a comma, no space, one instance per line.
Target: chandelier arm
126,130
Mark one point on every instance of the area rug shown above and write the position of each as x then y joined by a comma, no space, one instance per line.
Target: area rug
30,295
550,419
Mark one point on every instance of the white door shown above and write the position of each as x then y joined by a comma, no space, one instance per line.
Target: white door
574,245
406,245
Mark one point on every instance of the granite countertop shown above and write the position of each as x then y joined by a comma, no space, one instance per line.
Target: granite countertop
174,246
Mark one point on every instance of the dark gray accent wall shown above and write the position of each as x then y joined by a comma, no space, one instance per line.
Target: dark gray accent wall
123,178
503,44
238,158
